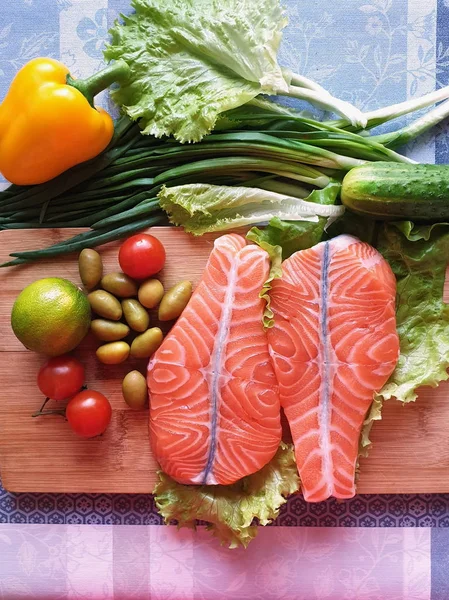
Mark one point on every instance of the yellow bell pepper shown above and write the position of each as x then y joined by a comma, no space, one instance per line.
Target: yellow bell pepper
48,122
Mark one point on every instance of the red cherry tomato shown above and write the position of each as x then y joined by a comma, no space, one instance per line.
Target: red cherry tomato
61,377
141,256
89,413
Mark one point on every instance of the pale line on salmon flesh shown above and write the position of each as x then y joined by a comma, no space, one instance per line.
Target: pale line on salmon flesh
325,412
216,362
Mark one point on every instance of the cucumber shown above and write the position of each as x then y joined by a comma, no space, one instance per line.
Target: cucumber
395,191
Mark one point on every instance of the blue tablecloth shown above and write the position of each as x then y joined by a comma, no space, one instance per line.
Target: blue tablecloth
372,53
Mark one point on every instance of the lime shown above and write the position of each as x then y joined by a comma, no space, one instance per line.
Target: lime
51,316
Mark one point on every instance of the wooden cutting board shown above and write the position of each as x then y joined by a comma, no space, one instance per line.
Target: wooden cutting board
411,443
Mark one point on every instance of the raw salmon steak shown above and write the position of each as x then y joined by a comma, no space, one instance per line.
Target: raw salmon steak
214,400
334,343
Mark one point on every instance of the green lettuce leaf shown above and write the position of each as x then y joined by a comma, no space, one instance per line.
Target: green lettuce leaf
418,256
230,510
191,60
275,254
415,233
202,208
292,236
374,414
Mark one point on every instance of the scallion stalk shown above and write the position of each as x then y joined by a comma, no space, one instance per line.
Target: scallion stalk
88,239
396,139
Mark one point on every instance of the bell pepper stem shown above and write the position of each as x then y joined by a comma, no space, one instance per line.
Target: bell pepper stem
93,85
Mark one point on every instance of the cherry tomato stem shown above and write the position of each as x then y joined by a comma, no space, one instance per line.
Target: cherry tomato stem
49,411
47,399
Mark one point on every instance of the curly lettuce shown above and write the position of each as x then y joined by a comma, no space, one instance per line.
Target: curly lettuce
191,60
230,510
418,256
275,254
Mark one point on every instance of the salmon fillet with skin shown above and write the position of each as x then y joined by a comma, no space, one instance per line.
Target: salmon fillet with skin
214,400
334,343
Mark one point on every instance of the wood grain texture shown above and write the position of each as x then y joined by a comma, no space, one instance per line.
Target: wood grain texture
410,453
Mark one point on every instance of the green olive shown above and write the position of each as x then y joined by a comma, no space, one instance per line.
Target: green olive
135,314
175,301
109,331
90,267
146,343
113,353
119,284
150,293
105,305
135,390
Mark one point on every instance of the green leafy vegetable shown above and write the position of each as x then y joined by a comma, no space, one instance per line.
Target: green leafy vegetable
202,208
191,60
292,236
275,254
374,414
231,509
415,233
418,256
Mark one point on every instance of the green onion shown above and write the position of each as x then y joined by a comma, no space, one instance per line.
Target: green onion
84,240
416,128
144,208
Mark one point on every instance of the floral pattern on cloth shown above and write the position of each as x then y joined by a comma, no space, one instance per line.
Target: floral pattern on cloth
94,32
387,510
162,563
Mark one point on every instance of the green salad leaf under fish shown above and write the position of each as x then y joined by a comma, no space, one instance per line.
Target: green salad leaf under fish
418,256
230,510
